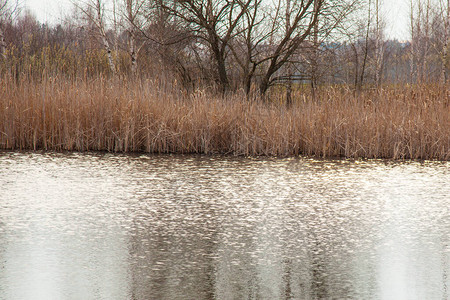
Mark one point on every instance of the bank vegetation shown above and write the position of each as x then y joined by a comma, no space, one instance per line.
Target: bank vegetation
407,122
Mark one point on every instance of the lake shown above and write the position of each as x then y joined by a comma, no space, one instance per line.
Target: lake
105,226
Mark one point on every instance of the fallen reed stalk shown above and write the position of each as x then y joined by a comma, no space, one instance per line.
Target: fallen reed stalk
119,116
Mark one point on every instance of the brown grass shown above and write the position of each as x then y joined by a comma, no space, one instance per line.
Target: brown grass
143,116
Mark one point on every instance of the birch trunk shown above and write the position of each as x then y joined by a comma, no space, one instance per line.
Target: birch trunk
112,66
2,43
132,36
378,46
427,42
444,76
106,45
133,54
412,50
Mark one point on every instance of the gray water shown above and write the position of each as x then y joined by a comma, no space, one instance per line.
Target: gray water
102,226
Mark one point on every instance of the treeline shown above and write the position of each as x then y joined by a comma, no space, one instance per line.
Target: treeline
229,45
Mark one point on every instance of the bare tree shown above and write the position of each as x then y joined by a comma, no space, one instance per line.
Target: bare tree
3,8
312,22
213,22
248,45
94,10
429,40
269,45
289,68
262,37
426,40
413,43
315,52
366,46
444,12
134,9
379,42
353,52
304,16
7,10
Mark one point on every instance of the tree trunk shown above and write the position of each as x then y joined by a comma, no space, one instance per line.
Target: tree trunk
314,61
264,85
106,45
413,44
2,43
131,15
356,79
289,69
112,66
446,45
427,42
221,65
248,84
223,77
289,92
133,53
366,49
378,47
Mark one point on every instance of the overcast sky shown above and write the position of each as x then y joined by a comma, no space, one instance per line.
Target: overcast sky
395,12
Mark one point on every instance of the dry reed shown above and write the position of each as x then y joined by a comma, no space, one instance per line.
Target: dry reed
141,116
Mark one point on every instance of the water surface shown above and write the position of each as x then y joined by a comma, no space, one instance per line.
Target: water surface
103,226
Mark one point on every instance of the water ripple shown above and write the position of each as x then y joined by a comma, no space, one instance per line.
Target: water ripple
103,226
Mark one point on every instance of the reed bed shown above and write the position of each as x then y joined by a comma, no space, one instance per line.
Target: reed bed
408,122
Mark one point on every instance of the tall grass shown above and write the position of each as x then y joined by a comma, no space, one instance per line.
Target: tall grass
144,116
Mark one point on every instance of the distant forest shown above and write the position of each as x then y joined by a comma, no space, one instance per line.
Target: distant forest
251,45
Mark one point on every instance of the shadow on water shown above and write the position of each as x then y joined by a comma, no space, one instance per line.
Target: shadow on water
101,226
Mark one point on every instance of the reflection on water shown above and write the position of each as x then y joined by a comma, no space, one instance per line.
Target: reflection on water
92,226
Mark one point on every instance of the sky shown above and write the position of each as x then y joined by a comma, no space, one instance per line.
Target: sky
395,12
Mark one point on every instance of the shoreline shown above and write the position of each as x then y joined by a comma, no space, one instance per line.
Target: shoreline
217,156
